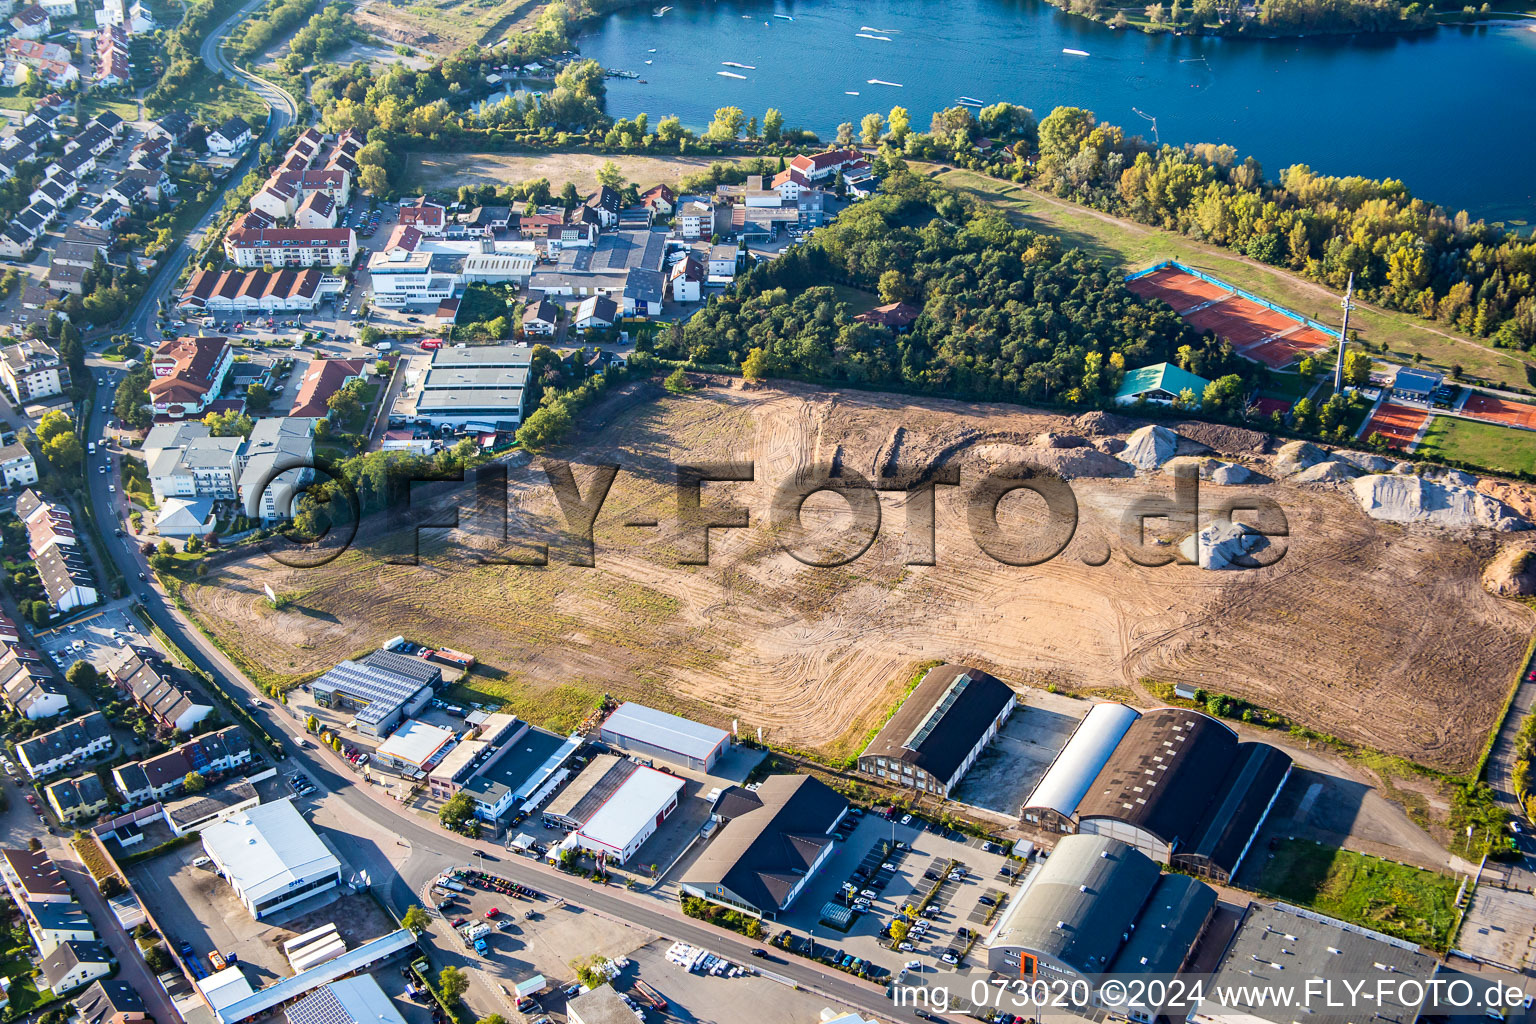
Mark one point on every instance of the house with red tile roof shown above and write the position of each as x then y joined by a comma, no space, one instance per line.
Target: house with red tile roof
188,375
323,379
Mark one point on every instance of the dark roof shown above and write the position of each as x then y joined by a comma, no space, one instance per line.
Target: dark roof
644,285
106,998
607,198
1167,927
66,739
84,791
174,122
70,955
1165,772
762,853
942,720
38,874
418,669
233,128
1080,904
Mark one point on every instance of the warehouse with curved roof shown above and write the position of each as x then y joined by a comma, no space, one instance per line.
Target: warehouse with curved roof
1099,905
1183,790
1052,804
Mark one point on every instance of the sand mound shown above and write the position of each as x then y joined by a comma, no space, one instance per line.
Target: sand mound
1295,456
1224,438
1413,499
1225,545
1215,470
1328,472
1373,463
1071,463
1512,573
1099,422
1050,440
1150,447
1449,477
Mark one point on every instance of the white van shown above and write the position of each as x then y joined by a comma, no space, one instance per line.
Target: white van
202,862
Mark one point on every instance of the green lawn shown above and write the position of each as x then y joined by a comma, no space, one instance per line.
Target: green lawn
1408,902
125,109
1132,246
858,299
560,708
1503,449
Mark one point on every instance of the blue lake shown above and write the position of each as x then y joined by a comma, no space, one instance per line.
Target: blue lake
1451,112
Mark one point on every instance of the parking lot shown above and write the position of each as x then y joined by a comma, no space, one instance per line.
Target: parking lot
96,638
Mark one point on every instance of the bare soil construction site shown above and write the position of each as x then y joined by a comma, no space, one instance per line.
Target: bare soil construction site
1377,632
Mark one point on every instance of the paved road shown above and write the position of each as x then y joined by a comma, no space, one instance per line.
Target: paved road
1500,775
283,111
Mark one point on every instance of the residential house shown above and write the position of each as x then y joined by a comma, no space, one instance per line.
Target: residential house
32,696
697,219
53,63
276,461
210,755
70,744
52,924
111,1001
541,319
660,200
105,215
427,217
75,964
31,22
229,138
59,10
291,247
15,243
33,369
170,705
595,313
126,190
66,578
605,203
723,260
17,466
82,798
173,126
687,279
318,210
322,379
644,291
31,876
898,316
188,375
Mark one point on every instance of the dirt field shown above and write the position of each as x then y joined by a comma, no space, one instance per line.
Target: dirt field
445,26
1369,632
428,171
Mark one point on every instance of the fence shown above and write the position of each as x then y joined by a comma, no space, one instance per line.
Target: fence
1241,293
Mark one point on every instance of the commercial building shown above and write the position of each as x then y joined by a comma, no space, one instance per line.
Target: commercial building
411,269
651,733
602,1005
355,1000
415,748
771,842
1098,906
481,388
197,811
1281,948
1181,788
615,805
1160,384
271,857
383,688
188,375
940,729
515,774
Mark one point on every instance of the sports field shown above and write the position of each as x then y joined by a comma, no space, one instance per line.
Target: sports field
1265,335
1399,425
1501,410
1408,902
1499,448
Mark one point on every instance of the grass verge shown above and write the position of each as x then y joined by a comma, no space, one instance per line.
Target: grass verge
1408,902
1501,449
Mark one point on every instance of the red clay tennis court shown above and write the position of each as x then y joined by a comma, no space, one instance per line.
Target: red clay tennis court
1175,287
1499,410
1283,351
1269,406
1397,424
1239,321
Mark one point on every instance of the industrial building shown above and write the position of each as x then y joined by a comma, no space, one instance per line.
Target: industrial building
771,842
510,767
479,388
940,729
651,733
1173,782
383,688
614,806
1099,906
415,748
271,857
1282,947
355,1000
1052,805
